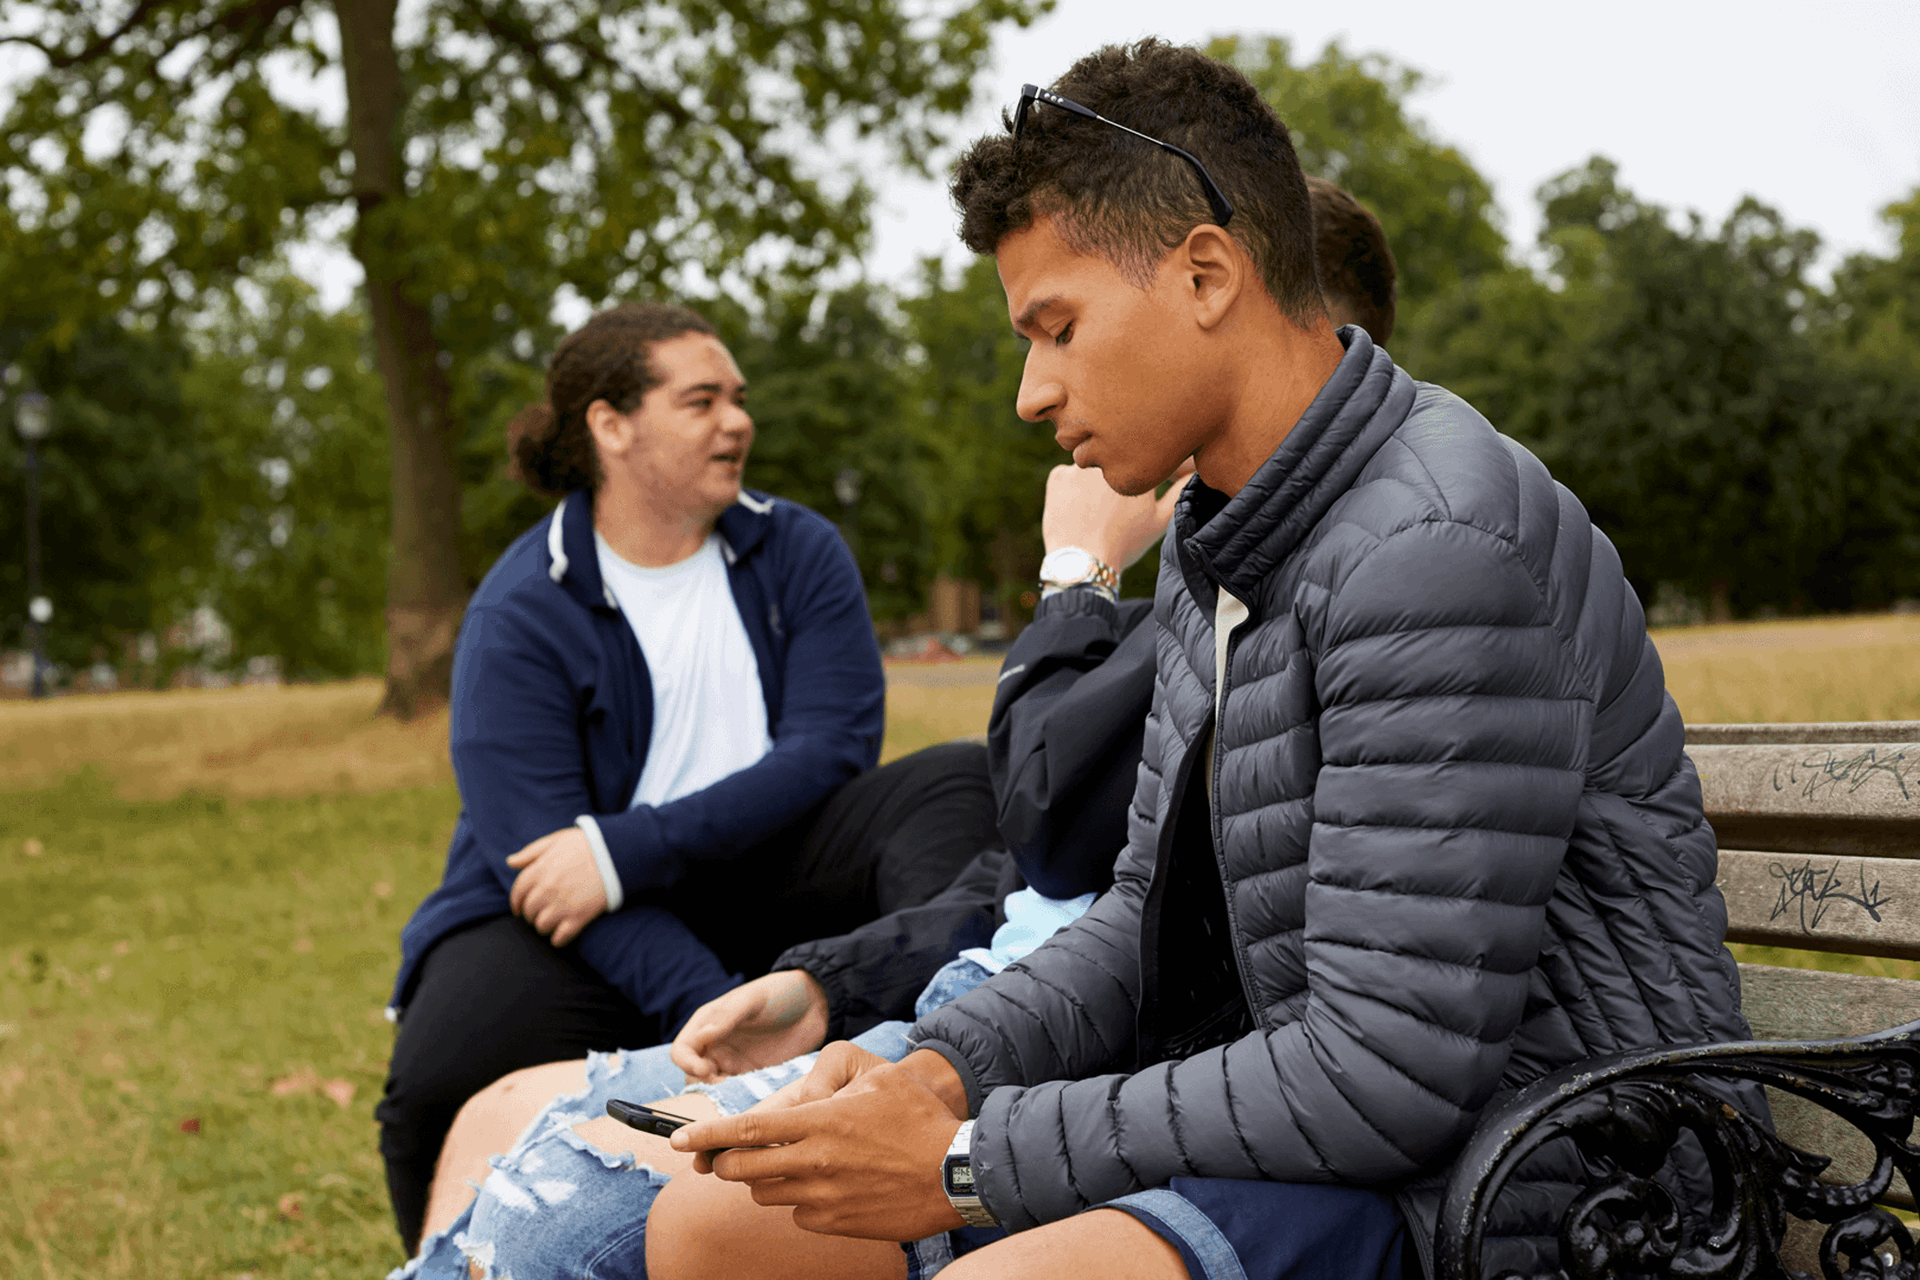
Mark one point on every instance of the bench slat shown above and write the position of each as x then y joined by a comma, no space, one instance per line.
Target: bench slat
1819,902
1802,1004
1734,735
1837,798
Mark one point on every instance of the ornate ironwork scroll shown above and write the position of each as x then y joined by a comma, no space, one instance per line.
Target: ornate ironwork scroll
1627,1111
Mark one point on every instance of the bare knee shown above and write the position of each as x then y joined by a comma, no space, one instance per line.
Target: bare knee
525,1091
487,1125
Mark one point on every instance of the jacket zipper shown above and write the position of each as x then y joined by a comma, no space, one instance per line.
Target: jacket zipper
1228,614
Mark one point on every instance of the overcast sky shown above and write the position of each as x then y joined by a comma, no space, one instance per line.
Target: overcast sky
1815,108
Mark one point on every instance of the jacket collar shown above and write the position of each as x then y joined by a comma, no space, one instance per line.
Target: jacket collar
573,562
1237,542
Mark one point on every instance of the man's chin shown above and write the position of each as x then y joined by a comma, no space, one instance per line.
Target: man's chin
1126,483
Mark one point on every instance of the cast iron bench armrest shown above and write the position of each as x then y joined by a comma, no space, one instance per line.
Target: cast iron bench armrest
1625,1112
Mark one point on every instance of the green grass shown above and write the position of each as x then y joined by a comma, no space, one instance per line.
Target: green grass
215,910
167,962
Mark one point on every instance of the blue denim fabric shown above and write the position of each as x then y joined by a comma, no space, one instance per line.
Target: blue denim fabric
513,1212
557,1207
951,981
1242,1229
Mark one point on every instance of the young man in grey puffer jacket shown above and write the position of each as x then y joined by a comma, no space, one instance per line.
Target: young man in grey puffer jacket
1414,824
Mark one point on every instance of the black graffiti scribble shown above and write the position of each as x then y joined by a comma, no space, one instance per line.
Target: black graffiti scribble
1850,773
1812,890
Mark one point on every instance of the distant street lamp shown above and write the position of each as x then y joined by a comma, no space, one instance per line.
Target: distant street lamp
33,419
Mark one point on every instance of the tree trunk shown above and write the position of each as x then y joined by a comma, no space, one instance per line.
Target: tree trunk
426,586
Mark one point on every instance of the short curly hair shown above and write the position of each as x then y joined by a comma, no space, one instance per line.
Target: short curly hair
1114,196
1356,263
608,358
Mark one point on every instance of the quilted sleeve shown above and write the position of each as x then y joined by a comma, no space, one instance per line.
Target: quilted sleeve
1453,729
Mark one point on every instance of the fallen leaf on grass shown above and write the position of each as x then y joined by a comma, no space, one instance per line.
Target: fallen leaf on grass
122,947
303,945
32,847
301,1081
289,1206
306,1081
126,1086
190,1125
382,889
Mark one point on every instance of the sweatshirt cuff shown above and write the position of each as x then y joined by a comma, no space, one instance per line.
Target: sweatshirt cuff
831,980
602,860
961,1067
1075,600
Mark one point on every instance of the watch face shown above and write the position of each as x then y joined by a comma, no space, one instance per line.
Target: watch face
1066,566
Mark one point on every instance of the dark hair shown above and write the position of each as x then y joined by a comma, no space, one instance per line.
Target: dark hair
607,358
1128,201
1355,261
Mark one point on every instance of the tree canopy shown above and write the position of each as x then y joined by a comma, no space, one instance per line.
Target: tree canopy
332,484
494,156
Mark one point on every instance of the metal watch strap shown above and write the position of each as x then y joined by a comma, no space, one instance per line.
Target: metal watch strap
972,1210
1103,577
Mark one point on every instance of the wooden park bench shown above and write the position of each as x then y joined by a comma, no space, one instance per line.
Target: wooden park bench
1819,832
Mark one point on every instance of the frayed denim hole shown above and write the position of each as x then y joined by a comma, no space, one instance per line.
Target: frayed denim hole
612,1160
601,1069
476,1251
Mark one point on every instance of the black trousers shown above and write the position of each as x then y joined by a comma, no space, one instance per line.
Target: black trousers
496,996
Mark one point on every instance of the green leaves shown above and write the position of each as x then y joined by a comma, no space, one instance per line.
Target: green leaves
1350,124
1733,428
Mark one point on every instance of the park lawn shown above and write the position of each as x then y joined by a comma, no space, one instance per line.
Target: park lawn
200,895
191,1036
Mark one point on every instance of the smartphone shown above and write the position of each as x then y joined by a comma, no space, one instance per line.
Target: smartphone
660,1124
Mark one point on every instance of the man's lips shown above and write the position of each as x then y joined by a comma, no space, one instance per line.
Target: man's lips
1070,440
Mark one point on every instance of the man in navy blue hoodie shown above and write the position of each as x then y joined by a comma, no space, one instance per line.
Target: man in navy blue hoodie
657,693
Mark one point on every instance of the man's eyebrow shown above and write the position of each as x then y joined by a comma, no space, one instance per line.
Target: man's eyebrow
1024,321
707,389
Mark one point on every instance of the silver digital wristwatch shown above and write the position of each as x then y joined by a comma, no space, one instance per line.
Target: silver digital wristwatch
956,1179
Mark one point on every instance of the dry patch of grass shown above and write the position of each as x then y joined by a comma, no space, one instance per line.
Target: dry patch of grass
306,740
297,740
1860,668
937,702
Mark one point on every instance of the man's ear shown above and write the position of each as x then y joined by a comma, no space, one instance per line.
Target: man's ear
1216,271
611,429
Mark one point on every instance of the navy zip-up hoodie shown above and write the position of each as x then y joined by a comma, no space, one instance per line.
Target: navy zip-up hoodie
553,711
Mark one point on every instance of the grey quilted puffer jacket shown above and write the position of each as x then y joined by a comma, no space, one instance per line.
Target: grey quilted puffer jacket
1460,841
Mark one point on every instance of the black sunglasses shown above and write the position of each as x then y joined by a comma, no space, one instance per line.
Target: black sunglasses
1222,207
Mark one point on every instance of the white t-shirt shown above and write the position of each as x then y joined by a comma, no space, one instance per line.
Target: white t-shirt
709,715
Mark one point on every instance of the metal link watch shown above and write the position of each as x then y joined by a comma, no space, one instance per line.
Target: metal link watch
956,1179
1066,567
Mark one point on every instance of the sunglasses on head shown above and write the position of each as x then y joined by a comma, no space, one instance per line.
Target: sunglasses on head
1029,94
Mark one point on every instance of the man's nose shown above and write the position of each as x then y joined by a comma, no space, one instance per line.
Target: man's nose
1040,397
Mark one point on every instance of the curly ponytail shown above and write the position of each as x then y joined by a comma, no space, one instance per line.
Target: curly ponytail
607,358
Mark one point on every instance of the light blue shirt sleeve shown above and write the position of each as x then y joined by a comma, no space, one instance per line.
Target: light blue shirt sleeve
1031,920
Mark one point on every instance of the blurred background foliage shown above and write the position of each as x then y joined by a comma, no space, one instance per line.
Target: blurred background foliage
1746,432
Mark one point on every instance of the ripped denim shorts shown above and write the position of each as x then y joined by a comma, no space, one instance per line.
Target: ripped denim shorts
557,1206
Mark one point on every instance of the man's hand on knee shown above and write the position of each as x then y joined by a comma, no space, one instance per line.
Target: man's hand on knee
559,890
